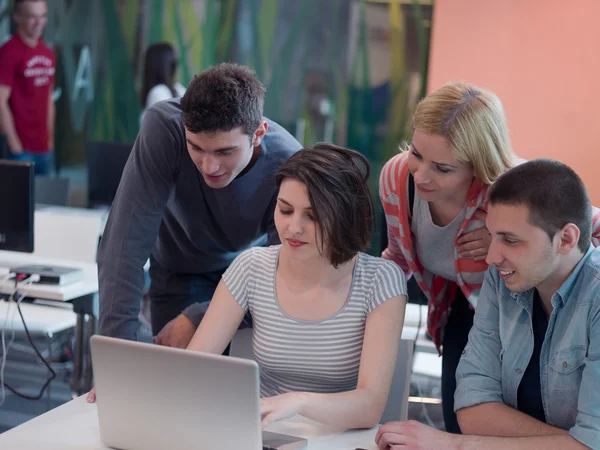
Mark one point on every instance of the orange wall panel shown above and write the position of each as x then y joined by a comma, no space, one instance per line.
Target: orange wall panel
542,58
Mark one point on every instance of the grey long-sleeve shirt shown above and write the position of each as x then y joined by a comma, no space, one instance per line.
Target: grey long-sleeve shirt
164,207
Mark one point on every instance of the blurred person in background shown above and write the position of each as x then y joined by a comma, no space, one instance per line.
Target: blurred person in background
26,82
160,66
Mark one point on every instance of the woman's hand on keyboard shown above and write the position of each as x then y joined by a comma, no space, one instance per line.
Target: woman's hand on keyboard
281,407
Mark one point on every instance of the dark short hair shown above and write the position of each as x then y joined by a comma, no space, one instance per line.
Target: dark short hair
337,181
554,194
222,98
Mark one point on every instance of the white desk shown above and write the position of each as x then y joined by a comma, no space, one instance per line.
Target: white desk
52,210
74,426
68,233
41,319
82,294
66,293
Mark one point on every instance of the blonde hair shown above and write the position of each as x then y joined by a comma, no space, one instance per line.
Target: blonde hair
473,122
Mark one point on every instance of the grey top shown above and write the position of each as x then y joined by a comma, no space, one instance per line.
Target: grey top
435,244
200,229
301,355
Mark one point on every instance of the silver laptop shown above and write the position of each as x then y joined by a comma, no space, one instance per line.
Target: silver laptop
154,398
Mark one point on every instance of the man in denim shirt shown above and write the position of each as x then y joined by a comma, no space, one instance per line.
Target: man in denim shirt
530,374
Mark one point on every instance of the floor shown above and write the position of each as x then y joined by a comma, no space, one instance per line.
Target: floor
27,375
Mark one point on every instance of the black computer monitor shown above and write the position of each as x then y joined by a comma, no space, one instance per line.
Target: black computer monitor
16,205
3,146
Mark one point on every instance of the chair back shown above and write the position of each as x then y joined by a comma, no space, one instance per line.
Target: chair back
51,190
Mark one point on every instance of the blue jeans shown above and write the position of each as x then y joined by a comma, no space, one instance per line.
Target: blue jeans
44,163
172,293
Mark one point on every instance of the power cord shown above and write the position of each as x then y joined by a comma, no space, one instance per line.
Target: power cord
419,390
52,376
424,409
4,348
417,336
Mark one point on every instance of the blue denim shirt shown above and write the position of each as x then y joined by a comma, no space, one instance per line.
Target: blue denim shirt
501,344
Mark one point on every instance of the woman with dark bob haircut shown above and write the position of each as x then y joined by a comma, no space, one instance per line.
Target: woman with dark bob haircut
327,317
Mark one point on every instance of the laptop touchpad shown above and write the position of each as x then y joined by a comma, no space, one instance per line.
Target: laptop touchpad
283,441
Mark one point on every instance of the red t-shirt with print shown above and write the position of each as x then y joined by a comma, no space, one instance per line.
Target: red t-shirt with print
29,72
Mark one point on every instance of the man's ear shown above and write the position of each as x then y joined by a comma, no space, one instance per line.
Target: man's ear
260,132
568,237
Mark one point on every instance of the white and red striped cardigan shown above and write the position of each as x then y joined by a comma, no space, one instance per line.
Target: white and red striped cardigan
440,292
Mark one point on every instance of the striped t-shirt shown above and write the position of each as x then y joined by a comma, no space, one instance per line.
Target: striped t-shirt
309,356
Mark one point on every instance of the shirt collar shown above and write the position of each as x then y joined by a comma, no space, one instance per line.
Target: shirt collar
564,292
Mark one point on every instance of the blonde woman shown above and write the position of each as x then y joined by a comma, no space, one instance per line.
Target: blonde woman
434,197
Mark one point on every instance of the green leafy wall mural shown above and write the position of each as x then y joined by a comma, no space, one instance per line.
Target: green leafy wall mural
349,71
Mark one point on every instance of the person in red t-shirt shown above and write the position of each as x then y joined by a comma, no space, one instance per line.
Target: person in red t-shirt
26,82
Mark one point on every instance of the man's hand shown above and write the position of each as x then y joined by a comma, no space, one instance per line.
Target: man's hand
16,149
412,435
91,397
280,407
177,333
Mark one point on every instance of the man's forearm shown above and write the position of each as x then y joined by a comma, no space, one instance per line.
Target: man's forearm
556,442
7,127
51,122
120,286
498,419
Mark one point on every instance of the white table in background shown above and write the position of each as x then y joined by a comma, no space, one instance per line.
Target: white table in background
53,210
81,294
74,426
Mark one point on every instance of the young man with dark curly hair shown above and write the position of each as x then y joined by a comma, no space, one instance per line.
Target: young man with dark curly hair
198,189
